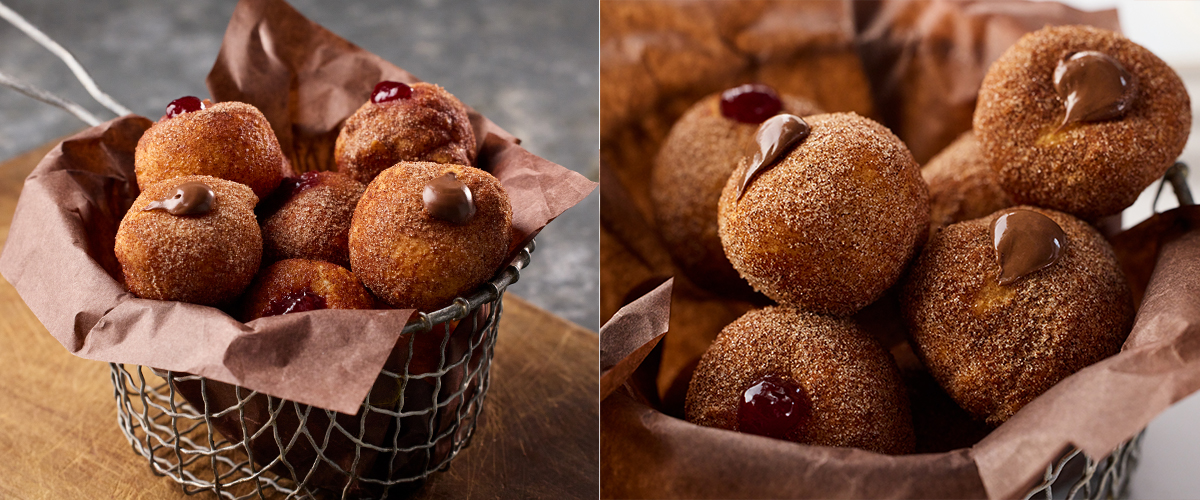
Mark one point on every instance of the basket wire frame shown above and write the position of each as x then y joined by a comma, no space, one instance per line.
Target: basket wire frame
1077,476
429,413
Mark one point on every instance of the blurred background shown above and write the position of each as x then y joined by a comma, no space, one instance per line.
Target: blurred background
531,66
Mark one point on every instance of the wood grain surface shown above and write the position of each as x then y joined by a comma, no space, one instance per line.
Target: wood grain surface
538,437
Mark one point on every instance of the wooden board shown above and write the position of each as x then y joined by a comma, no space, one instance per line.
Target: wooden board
538,438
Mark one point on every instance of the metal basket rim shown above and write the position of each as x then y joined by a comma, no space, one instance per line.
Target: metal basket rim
489,291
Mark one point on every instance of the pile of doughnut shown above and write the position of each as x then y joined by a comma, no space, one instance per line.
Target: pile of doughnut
405,222
1002,282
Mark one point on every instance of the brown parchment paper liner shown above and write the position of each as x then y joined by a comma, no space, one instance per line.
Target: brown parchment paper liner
649,454
639,325
306,80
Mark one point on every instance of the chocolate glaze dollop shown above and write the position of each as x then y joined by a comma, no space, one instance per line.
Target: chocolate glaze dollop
774,139
448,199
1093,87
1025,241
189,198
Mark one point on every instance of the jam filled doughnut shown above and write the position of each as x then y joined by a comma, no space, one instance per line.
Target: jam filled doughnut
1003,307
228,140
418,122
692,167
962,186
297,285
827,214
789,374
192,239
312,220
424,233
1080,120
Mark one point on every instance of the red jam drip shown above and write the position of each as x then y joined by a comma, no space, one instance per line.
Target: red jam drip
303,300
185,104
774,407
390,91
750,103
297,185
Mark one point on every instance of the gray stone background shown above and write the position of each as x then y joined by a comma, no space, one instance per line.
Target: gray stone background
532,66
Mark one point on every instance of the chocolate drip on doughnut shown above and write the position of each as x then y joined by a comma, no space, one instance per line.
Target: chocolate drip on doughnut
1093,86
189,198
448,199
775,138
1025,241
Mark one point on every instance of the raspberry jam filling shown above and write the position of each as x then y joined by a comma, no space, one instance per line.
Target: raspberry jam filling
300,301
774,407
185,104
750,103
390,91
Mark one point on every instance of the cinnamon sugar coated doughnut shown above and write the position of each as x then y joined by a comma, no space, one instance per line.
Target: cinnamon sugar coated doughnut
412,258
845,388
229,140
429,124
1089,168
298,285
994,347
203,258
313,218
962,186
831,225
689,173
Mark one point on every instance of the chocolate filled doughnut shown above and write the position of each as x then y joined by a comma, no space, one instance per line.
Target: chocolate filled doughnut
1002,307
789,374
827,214
424,233
692,168
192,239
298,285
962,185
1080,120
418,122
312,218
228,140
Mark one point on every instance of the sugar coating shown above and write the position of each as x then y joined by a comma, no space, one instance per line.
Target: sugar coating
1087,169
314,223
203,259
995,348
962,185
337,285
412,260
431,125
858,397
832,225
229,140
689,173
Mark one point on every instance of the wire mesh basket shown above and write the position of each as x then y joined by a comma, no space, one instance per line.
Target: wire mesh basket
238,443
1077,476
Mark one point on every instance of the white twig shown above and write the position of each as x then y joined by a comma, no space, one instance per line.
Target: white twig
62,53
48,98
